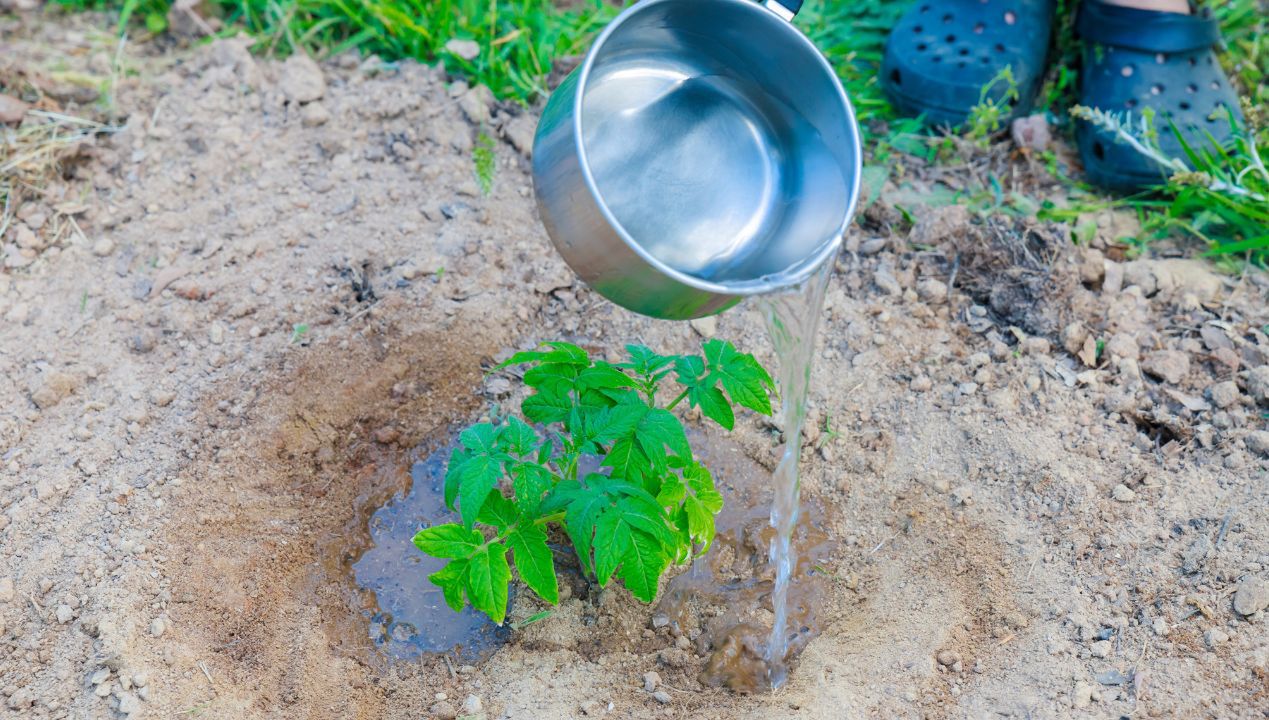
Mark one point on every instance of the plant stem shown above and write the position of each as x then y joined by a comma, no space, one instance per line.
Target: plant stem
553,517
677,399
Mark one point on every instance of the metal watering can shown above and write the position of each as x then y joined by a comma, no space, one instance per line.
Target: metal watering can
703,151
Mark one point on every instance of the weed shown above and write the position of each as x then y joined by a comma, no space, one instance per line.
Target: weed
654,506
298,331
485,161
985,118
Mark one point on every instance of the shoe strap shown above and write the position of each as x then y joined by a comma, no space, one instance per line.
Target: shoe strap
1145,30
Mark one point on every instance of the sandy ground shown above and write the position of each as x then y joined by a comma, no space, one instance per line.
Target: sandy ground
1013,530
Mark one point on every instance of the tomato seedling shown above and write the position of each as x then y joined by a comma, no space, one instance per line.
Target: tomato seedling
651,505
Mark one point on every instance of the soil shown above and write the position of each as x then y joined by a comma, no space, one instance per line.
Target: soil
1038,469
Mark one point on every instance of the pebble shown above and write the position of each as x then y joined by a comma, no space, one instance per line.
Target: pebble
65,614
948,658
651,680
216,333
314,114
1171,366
6,589
103,690
1160,627
476,104
885,281
465,49
682,642
142,342
1251,597
472,705
162,398
1215,637
962,494
1258,384
99,677
592,708
706,327
520,133
1224,394
103,247
932,291
1123,493
129,704
1258,442
443,711
140,679
301,79
1083,695
921,383
1100,649
1193,556
158,626
662,697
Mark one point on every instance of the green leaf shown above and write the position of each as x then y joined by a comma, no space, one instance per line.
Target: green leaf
612,541
565,492
626,460
579,520
481,438
603,375
567,353
547,407
534,561
556,376
479,475
642,565
644,361
643,513
530,482
518,437
488,577
448,541
742,376
619,420
700,521
498,511
714,406
689,368
454,475
451,579
658,429
672,491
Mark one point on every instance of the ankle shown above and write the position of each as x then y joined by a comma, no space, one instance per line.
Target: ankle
1181,7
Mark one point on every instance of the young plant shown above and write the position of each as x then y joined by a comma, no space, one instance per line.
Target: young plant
651,504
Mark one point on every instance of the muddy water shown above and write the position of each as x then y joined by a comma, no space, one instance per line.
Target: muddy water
402,614
792,318
727,594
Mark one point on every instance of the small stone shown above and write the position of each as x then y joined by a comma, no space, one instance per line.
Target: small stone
1251,597
1258,384
1258,442
962,494
65,614
21,699
1073,337
301,79
662,697
476,104
1122,493
443,711
1171,366
103,690
921,383
216,333
885,281
682,643
706,327
1082,696
56,386
129,704
472,705
520,133
1214,637
660,620
1100,649
387,435
465,49
99,677
103,247
1224,394
314,114
6,589
142,342
1034,345
932,291
1193,556
158,626
592,708
162,398
1160,627
948,658
140,679
651,680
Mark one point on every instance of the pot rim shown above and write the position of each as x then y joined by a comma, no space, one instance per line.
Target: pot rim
789,277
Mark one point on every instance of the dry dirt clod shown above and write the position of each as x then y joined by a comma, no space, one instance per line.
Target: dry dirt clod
103,247
6,589
1252,596
1258,384
651,680
55,387
1122,493
1258,442
948,658
662,697
476,104
1193,557
592,708
1031,132
1224,394
301,80
443,710
314,114
520,132
473,705
1171,366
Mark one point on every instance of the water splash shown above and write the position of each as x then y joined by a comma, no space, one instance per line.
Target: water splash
792,318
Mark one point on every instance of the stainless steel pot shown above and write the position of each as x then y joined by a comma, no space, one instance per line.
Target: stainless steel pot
704,151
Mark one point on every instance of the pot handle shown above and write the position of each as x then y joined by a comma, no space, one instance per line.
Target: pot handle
786,9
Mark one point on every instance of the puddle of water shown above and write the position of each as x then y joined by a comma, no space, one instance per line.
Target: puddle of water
405,613
736,578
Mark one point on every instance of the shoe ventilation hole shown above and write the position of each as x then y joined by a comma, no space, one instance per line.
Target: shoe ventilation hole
1127,70
1156,89
918,29
896,77
1000,47
925,8
1010,17
1191,88
1183,105
962,65
947,18
950,39
1130,103
986,60
1099,152
1193,62
979,28
922,47
1216,84
964,51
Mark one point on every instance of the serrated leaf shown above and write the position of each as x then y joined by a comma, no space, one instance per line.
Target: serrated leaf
481,439
555,376
700,521
497,511
530,482
643,513
546,407
713,405
657,430
488,577
579,521
520,358
448,541
534,562
644,361
672,491
689,369
619,420
565,492
518,437
743,377
603,375
479,475
642,565
454,475
451,579
612,541
568,353
626,460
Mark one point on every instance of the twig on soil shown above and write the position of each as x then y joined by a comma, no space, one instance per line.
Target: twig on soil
883,542
1220,534
203,666
450,666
